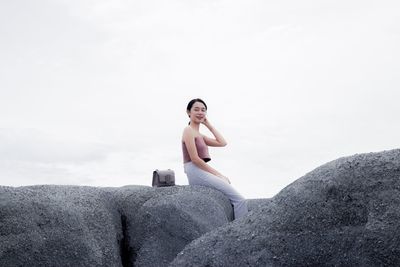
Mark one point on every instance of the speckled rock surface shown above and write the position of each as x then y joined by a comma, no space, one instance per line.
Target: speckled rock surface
58,226
344,213
163,225
49,225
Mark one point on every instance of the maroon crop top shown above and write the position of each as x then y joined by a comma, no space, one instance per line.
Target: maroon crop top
202,150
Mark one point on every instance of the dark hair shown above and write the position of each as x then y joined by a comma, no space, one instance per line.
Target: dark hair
191,103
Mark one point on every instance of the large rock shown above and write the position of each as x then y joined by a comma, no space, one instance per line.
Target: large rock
58,226
174,216
50,225
344,213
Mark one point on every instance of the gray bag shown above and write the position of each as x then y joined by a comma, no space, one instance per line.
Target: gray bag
163,178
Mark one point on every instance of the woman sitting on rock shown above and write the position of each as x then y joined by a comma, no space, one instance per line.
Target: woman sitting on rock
195,156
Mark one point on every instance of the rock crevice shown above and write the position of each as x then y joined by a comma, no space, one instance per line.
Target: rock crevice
128,255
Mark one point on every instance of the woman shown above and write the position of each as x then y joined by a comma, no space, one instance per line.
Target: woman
195,156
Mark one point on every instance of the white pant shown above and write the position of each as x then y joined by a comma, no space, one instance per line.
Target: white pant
197,176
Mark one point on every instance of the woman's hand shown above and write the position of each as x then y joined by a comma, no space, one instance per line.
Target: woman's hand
225,179
206,122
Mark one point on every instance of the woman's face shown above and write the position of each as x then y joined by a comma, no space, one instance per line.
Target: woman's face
198,112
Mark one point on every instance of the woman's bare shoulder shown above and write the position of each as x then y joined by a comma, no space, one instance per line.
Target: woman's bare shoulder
187,131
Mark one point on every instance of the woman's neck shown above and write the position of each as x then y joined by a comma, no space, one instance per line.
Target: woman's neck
195,126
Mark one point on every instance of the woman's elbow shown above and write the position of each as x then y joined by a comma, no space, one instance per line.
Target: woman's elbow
197,161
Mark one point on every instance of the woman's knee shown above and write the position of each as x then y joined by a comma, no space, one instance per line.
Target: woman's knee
238,200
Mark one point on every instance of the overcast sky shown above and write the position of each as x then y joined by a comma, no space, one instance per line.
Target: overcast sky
94,92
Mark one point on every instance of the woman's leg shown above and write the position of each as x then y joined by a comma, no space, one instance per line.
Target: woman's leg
197,176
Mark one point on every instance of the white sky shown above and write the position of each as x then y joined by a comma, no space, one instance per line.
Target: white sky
94,92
